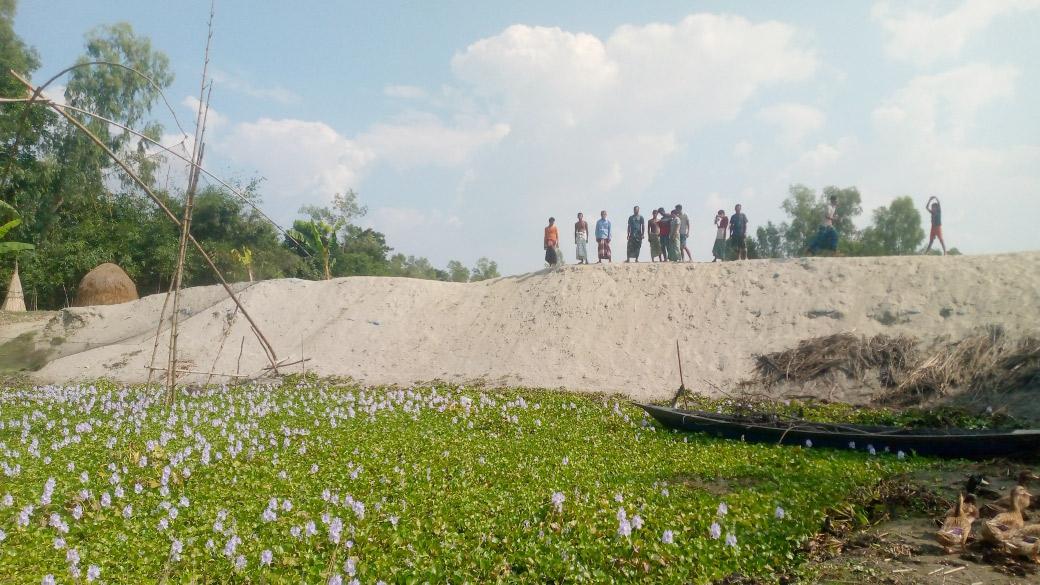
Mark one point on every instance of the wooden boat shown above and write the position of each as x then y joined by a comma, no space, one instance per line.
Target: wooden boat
770,428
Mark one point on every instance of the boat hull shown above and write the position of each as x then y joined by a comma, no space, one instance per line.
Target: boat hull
952,443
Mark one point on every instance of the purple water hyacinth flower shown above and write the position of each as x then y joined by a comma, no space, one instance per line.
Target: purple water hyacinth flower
901,455
7,501
667,537
3,535
59,543
723,509
336,579
557,501
715,531
48,579
780,513
621,515
128,511
93,572
852,444
176,547
731,540
240,562
637,522
350,566
266,557
624,528
808,443
870,450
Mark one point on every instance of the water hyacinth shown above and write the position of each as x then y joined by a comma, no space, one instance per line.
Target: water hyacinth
372,472
715,531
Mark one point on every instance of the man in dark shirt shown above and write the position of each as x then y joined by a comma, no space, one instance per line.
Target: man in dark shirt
636,229
665,226
935,210
738,232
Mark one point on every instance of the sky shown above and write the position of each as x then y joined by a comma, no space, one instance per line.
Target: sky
464,125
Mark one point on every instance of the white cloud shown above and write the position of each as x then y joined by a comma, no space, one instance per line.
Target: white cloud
275,93
424,140
946,103
410,226
925,36
301,161
793,121
742,149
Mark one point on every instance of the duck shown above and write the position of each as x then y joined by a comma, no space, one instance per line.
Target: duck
957,526
978,485
1004,503
1004,525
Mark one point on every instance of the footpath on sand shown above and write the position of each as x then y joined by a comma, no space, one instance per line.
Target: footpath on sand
606,328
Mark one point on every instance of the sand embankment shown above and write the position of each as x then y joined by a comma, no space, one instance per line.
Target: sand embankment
609,328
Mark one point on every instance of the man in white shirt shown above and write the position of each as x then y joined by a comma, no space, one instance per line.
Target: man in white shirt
684,234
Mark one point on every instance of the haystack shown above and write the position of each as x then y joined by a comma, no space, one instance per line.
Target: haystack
107,284
15,300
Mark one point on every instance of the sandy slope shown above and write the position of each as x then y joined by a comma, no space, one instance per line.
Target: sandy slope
605,328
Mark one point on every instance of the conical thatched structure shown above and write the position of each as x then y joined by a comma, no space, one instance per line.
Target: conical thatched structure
15,300
107,284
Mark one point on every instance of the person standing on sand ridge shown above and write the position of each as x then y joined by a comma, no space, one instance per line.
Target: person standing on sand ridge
551,242
738,232
636,229
581,239
935,210
684,234
721,224
603,237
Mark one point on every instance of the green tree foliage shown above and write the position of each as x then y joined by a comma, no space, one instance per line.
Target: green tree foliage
485,269
77,217
895,230
457,271
769,241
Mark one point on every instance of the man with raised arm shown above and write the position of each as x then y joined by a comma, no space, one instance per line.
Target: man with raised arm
935,210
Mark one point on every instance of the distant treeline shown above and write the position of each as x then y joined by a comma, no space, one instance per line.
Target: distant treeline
80,210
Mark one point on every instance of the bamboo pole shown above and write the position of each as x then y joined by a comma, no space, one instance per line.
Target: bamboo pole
265,344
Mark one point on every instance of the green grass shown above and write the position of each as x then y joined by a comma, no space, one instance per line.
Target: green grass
451,492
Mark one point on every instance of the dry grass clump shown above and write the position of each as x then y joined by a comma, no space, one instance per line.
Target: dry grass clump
989,361
844,352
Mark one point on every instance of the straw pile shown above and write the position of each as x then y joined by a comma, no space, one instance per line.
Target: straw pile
987,362
841,353
107,284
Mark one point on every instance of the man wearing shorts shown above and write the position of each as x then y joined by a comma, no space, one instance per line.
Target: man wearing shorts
684,234
738,232
935,210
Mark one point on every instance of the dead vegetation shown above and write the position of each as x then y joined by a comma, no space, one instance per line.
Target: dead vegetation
984,363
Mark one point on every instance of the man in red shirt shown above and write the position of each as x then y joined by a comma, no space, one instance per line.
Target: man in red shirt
665,227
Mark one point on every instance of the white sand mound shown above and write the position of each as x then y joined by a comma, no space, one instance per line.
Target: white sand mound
609,328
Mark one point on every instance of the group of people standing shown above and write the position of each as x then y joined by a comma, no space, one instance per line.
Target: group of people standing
666,231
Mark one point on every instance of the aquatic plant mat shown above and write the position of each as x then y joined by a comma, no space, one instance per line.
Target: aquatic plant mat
989,361
306,482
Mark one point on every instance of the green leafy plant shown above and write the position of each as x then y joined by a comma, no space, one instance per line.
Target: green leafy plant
11,247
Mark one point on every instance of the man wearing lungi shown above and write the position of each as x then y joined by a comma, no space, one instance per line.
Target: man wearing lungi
636,229
603,237
721,225
581,239
654,237
665,225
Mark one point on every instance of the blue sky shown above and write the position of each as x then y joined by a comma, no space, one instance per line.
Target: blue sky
464,125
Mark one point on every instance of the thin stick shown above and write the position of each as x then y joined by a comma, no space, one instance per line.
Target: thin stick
158,330
268,348
241,347
181,371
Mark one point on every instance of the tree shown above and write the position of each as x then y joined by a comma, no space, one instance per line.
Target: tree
457,272
345,209
896,230
770,240
484,269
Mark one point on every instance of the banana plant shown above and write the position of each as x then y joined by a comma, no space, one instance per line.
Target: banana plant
245,258
318,237
11,247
